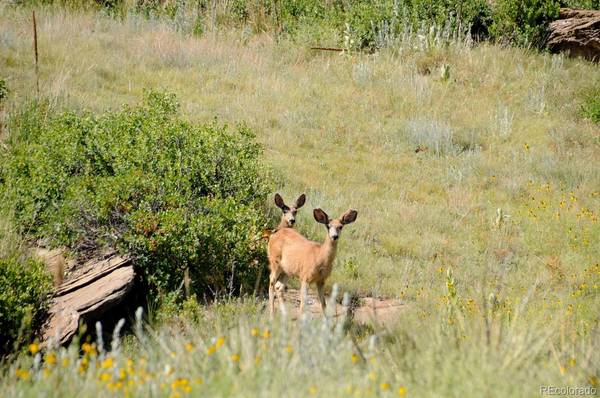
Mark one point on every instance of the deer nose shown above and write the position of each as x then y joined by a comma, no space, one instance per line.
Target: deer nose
335,237
292,221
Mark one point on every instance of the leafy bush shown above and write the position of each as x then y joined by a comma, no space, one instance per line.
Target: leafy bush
585,4
591,107
3,90
177,195
523,22
24,285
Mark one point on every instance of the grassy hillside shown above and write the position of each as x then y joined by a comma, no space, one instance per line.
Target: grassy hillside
471,159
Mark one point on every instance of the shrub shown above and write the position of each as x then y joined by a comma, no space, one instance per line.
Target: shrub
24,285
177,195
591,107
585,4
523,22
3,90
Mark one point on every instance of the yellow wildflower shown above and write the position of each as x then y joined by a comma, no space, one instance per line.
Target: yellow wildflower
104,376
181,383
355,358
235,358
22,374
83,365
372,376
211,350
384,386
50,358
107,363
401,391
189,347
254,332
266,333
220,342
312,390
34,348
289,349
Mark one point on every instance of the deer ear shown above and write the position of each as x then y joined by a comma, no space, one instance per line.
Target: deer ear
279,201
321,216
349,216
300,201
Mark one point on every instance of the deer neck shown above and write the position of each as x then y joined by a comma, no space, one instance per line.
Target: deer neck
328,250
282,224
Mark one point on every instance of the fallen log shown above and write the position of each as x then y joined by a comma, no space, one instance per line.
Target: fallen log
577,33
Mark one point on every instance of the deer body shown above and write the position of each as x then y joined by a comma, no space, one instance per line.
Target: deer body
291,254
295,255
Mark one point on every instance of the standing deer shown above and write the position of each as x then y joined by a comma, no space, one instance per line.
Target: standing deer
288,219
291,254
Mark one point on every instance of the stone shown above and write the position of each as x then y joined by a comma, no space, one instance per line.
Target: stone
577,33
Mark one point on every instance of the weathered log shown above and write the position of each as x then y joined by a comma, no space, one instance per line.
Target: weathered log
576,33
94,288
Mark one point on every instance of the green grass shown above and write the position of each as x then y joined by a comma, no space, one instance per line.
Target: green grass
503,130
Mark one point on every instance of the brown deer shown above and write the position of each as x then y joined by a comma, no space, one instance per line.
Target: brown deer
291,254
288,219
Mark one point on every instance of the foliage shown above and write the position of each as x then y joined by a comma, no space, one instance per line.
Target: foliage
468,350
523,22
177,195
24,284
591,106
3,90
584,4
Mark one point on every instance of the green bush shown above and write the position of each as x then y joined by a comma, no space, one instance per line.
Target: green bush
24,285
523,22
177,195
591,107
585,4
3,90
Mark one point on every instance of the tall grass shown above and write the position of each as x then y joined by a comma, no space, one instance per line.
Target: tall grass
500,352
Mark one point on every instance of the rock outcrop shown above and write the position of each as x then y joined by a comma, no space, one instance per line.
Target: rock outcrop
92,289
577,33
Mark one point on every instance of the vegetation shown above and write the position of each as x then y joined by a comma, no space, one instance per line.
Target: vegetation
470,167
355,24
591,106
176,195
24,288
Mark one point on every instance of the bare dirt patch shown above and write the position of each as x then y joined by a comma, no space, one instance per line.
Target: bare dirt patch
365,310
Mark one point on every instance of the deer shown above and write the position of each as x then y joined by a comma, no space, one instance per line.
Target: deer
291,254
288,219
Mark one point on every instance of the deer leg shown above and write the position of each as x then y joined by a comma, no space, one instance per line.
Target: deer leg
280,288
321,292
272,280
303,295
